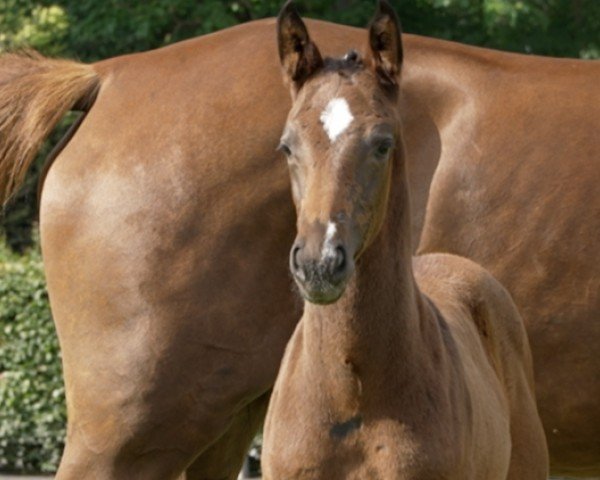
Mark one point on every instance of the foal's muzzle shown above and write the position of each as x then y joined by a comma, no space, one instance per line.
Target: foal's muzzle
322,278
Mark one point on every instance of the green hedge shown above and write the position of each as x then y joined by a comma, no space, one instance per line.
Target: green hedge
32,405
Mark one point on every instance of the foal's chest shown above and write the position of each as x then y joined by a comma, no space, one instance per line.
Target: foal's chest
364,447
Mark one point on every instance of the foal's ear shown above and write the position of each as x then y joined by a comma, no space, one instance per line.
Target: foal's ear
386,44
299,56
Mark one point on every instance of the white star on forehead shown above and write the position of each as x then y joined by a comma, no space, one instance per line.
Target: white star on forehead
336,117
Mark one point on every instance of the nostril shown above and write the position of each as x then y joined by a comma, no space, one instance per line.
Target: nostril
295,251
340,259
297,270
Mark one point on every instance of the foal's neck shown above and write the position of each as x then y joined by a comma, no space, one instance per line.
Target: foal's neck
375,327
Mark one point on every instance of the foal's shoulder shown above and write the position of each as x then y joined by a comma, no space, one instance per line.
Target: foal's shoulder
457,284
440,273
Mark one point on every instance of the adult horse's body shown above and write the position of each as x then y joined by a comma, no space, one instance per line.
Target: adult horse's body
166,222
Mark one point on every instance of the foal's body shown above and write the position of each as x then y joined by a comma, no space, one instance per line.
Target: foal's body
388,378
385,385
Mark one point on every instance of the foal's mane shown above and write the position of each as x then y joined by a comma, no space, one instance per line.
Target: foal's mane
347,65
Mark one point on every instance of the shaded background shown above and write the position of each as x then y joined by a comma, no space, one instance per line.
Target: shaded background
32,412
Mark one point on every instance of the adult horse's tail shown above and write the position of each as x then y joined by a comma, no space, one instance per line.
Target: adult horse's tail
35,92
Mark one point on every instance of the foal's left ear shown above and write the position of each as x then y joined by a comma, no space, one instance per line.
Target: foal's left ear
386,44
299,55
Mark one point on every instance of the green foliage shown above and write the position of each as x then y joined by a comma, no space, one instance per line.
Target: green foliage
32,410
103,29
17,222
29,24
92,30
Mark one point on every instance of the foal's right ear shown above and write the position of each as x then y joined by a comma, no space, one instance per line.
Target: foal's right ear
299,56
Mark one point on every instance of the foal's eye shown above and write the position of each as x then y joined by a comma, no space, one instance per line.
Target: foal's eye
383,149
285,149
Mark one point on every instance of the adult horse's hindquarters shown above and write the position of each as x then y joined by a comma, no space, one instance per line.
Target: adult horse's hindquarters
166,221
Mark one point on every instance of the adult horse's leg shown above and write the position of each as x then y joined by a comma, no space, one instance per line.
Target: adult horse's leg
223,460
220,461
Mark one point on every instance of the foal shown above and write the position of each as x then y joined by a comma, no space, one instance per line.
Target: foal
400,368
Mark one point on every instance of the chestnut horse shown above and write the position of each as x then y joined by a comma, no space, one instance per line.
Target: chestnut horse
166,220
384,377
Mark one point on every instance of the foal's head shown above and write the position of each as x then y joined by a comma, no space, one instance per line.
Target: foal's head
339,140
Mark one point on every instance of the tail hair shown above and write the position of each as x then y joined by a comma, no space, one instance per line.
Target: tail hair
35,92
